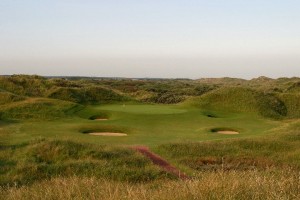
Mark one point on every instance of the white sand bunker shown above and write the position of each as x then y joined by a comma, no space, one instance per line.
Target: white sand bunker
228,132
225,131
108,134
100,119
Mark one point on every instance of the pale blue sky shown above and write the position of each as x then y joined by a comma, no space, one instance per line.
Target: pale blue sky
143,38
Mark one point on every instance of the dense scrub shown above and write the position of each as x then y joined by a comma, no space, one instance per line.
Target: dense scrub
74,91
7,97
25,85
292,103
86,95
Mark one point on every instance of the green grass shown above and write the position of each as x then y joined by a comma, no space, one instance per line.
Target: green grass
241,99
143,109
44,159
145,125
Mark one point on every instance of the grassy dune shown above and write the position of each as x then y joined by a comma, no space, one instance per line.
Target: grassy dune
241,99
37,109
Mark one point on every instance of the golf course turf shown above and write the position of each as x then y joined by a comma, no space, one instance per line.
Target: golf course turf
149,125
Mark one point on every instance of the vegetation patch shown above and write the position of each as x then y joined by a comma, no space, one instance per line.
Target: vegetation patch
87,95
241,99
38,109
45,159
7,97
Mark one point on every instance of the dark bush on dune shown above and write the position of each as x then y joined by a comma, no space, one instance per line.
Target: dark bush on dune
87,95
166,98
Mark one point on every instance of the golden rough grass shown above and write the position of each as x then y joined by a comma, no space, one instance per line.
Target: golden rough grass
211,185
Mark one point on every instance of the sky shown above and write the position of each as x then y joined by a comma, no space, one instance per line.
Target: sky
143,38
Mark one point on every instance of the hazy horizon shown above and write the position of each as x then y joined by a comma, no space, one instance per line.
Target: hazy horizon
151,39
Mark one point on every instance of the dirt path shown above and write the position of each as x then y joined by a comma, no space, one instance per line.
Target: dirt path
157,160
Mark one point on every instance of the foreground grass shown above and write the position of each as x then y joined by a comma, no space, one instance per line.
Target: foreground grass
218,185
279,149
42,159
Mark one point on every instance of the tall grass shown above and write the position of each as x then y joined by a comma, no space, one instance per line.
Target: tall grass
38,109
278,149
218,185
44,159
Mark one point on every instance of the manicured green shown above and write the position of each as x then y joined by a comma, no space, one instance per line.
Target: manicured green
145,125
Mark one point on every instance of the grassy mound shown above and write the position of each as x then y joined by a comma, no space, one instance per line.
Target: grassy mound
292,103
45,159
276,151
38,109
240,99
295,87
7,97
86,95
25,85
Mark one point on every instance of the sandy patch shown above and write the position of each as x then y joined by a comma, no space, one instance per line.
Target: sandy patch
156,159
100,119
228,132
108,134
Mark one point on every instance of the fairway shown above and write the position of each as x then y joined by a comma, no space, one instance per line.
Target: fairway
149,125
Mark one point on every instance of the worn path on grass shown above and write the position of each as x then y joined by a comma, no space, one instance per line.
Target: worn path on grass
157,160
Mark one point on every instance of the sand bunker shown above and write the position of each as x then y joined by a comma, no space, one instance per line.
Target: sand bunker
108,134
100,119
228,132
225,131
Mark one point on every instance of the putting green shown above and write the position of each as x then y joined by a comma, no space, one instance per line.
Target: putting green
143,109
